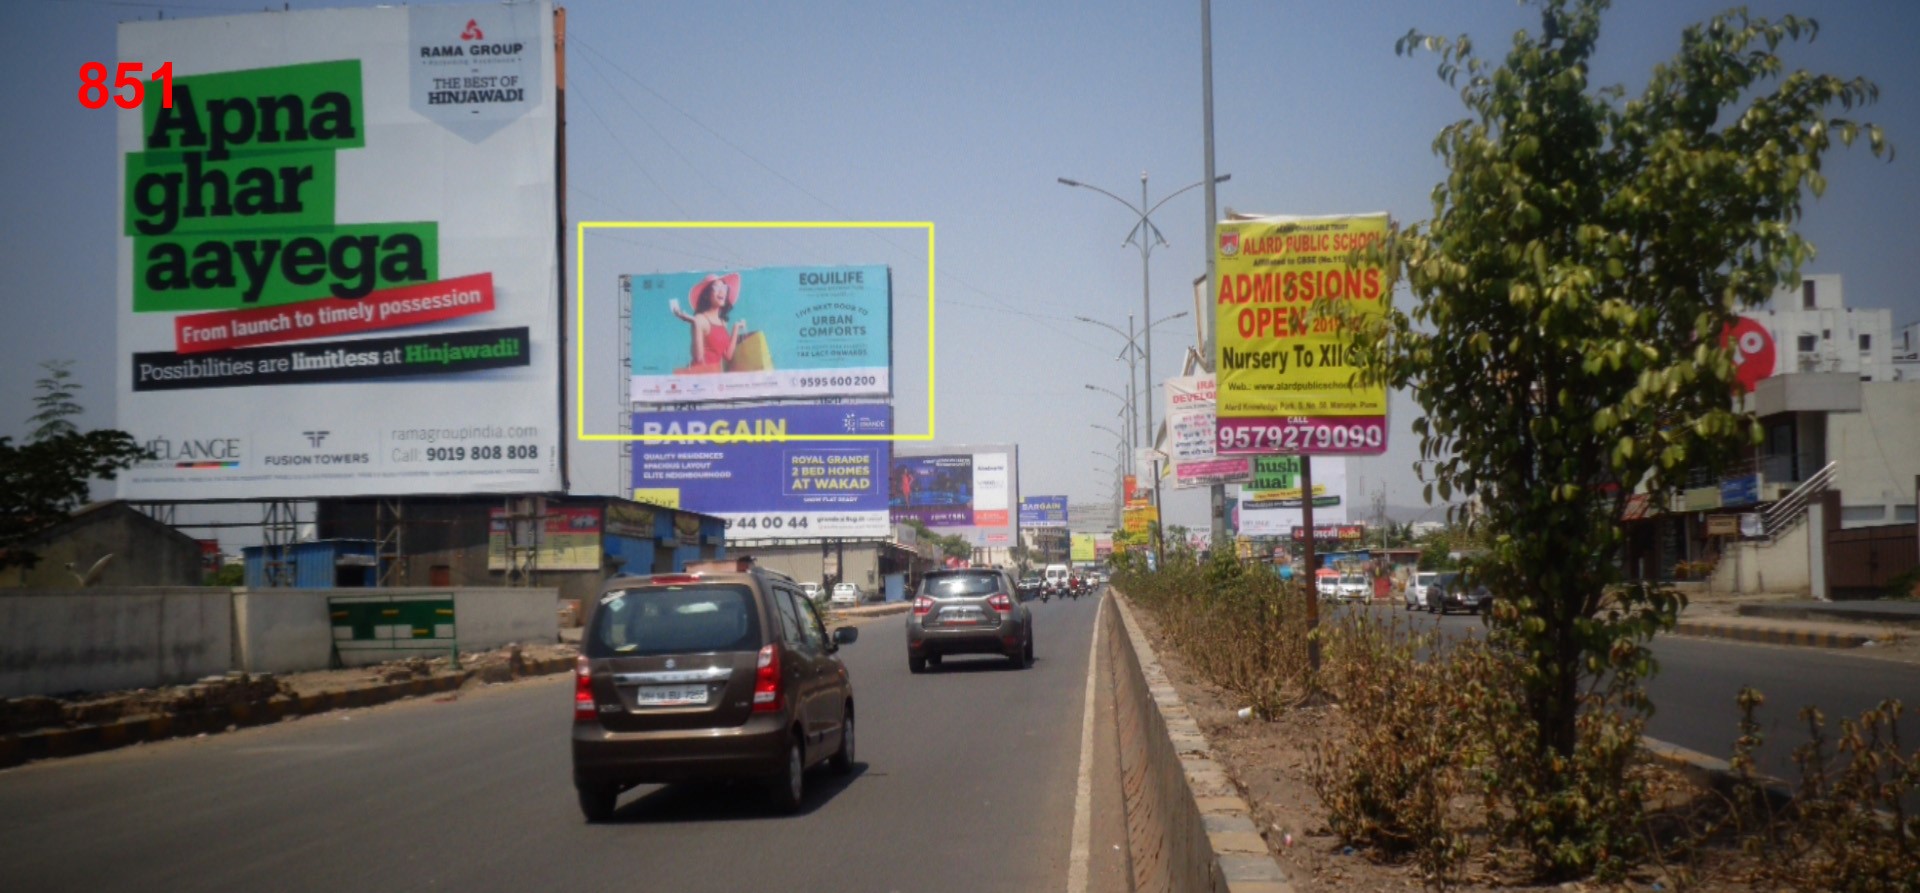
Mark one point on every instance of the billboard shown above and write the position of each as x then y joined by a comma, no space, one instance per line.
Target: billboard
772,332
971,492
1084,548
567,538
337,265
1190,436
1274,510
1043,511
764,487
1285,371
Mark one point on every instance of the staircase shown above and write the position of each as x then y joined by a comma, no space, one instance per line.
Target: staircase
1782,515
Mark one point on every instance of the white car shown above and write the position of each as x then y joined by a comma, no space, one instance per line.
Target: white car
1422,590
845,595
1354,588
1329,587
811,591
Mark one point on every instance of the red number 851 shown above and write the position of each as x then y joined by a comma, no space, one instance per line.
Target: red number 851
94,92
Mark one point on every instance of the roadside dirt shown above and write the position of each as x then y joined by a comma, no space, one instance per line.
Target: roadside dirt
27,714
1270,763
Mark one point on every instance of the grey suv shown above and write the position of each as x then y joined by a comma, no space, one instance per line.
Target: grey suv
970,611
684,677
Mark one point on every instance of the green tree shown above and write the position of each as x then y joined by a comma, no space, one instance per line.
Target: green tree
1586,253
56,402
43,481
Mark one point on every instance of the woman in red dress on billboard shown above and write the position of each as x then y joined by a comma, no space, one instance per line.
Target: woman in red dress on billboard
714,337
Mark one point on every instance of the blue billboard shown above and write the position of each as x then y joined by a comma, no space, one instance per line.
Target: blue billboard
1043,511
766,333
765,487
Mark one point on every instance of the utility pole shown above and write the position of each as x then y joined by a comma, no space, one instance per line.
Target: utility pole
1217,493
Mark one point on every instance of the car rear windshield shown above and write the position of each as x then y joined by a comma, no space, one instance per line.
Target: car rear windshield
959,585
674,620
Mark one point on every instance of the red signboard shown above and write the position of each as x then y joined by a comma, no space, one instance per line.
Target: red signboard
1753,351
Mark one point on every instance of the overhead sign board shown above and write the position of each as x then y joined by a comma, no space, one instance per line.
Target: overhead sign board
738,465
1285,373
772,332
337,265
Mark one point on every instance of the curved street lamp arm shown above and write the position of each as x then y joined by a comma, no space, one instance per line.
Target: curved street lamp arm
1130,206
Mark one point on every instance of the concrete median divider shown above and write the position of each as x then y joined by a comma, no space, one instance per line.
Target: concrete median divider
1188,827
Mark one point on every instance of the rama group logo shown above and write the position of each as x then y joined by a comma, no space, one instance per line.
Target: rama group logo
473,31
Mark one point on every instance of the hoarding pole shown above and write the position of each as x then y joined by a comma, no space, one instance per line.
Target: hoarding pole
560,221
1217,493
1313,575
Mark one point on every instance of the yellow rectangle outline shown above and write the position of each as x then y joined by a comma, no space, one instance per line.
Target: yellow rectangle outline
580,323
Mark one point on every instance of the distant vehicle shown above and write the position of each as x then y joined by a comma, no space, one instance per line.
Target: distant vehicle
1030,586
811,591
1328,585
1354,587
1455,595
1057,575
970,611
1419,589
688,677
845,595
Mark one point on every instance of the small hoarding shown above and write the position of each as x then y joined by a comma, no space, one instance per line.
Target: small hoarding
970,492
1043,511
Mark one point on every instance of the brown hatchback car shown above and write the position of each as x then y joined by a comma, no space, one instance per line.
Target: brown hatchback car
686,677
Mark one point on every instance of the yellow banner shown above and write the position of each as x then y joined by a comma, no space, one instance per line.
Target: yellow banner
1083,548
1279,357
667,497
1139,519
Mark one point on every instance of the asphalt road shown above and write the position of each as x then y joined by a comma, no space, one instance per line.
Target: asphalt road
965,782
1694,693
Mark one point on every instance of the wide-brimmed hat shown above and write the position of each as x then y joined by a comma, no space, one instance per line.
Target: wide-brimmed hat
730,280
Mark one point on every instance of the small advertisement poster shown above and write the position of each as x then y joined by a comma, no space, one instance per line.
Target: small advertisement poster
1043,511
337,272
1270,504
969,491
1285,369
765,333
567,538
1190,432
1084,547
764,486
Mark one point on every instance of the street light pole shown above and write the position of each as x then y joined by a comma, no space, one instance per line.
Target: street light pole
1132,354
1143,235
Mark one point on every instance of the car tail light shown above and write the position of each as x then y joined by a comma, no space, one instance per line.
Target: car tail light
922,604
583,709
766,681
1001,602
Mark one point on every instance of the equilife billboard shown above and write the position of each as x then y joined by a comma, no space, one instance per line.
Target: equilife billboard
337,262
745,468
966,491
767,333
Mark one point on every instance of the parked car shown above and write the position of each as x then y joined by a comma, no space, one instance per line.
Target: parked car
845,595
685,677
1419,588
812,591
1328,585
1354,588
970,611
1456,595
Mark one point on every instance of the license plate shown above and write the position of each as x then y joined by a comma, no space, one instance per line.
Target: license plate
961,618
670,695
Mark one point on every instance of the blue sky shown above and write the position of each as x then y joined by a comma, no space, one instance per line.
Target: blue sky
963,115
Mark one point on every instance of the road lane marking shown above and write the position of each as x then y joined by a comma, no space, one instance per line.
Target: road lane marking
1081,856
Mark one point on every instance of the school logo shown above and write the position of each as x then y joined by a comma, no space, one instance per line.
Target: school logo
1230,244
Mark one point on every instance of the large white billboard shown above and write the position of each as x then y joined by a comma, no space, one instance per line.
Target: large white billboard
337,261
